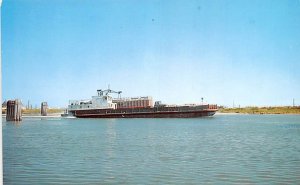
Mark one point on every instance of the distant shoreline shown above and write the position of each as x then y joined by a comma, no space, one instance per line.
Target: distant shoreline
56,113
38,116
261,110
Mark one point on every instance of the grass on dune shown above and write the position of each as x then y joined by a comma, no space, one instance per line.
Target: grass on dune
263,110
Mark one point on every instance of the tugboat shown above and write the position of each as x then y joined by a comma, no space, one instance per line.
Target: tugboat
103,105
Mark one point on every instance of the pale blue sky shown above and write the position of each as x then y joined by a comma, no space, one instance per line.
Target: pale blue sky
175,51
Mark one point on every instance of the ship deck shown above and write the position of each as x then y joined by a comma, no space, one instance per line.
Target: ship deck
149,112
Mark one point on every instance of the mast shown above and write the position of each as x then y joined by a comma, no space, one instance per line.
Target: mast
293,102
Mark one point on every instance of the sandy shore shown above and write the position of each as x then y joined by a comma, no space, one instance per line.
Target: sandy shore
38,116
231,113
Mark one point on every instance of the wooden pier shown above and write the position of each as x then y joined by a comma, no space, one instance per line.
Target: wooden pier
14,110
44,108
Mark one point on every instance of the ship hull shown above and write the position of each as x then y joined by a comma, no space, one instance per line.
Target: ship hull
158,114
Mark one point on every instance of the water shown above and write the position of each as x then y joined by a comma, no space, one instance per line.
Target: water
224,149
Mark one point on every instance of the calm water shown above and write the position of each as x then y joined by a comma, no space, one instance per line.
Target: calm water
222,149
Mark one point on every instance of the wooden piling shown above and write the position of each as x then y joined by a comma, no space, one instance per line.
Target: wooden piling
14,110
44,107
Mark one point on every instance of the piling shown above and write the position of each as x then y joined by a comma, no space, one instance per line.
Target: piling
14,110
44,107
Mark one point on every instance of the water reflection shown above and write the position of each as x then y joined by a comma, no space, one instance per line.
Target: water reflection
110,150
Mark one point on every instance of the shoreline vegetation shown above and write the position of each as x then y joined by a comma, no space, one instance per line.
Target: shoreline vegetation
36,112
262,110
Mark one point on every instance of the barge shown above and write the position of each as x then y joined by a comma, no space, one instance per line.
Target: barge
103,105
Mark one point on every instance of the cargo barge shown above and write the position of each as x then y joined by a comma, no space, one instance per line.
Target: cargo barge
105,106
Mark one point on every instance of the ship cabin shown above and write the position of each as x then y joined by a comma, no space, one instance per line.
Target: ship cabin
97,102
103,100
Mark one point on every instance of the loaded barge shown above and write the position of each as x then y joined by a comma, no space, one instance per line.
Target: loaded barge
105,106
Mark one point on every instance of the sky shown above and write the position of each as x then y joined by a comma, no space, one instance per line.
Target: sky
246,52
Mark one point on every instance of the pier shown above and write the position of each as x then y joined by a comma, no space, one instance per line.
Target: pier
44,108
14,110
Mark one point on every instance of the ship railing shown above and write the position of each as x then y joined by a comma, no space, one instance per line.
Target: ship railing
133,98
77,102
212,107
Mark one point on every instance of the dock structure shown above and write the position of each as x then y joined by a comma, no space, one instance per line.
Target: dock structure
14,110
44,107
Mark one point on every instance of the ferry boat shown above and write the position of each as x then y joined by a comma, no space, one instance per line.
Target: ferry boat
103,105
